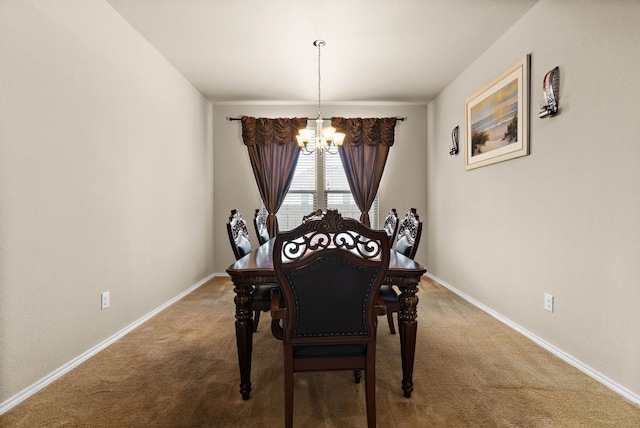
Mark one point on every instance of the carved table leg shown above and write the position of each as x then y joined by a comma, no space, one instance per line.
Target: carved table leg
244,337
408,327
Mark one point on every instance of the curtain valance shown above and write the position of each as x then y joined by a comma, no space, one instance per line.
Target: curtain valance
367,131
265,131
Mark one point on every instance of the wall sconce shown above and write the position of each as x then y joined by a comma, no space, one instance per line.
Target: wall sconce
551,91
453,150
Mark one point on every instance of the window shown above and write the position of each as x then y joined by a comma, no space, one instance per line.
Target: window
319,182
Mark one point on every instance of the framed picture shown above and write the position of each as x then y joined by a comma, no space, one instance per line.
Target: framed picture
497,118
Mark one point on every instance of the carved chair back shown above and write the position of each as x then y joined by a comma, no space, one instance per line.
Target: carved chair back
330,271
238,235
391,225
260,224
409,232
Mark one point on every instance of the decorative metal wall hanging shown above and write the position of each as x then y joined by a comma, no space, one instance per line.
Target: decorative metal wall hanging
551,91
453,150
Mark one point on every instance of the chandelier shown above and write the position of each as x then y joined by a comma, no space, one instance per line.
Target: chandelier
325,139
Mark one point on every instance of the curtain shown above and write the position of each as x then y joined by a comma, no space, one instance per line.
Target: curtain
273,152
364,155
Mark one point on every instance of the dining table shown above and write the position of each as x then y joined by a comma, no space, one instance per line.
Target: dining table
257,268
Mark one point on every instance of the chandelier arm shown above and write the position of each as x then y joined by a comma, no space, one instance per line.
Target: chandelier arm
332,152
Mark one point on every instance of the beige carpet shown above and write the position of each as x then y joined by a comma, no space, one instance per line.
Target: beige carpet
180,370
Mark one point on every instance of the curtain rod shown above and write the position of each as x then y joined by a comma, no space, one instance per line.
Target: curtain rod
309,118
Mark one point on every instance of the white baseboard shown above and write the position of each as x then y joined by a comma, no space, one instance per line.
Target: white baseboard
629,395
29,391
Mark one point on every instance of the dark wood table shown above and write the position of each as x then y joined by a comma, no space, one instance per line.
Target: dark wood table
257,268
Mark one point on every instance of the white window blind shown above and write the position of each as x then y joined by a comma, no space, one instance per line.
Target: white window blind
319,182
303,196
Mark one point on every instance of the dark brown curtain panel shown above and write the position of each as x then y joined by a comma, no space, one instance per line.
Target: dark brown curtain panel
273,152
364,155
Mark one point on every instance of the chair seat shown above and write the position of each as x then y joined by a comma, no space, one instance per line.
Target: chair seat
388,294
389,297
262,293
261,297
346,350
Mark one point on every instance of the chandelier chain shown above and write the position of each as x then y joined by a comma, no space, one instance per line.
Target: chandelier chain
325,139
319,44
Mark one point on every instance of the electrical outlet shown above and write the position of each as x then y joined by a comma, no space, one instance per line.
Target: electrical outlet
104,301
548,302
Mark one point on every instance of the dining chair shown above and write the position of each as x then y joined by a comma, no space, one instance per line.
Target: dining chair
329,271
241,246
407,240
260,224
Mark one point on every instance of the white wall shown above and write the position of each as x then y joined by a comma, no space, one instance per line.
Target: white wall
403,184
565,219
106,183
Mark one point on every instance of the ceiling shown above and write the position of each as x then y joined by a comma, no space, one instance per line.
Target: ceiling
377,51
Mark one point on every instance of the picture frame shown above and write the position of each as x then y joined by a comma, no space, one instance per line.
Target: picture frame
497,118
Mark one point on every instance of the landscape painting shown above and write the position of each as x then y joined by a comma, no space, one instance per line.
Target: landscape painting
496,118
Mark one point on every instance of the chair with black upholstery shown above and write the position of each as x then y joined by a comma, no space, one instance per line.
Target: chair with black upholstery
407,240
241,246
260,224
330,271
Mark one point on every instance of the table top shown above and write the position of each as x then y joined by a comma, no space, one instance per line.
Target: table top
260,262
